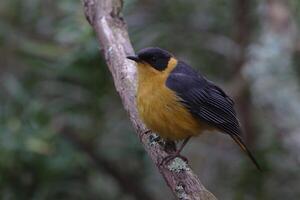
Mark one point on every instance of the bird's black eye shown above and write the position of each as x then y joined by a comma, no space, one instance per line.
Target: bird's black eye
153,58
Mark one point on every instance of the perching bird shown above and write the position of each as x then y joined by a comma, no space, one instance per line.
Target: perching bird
177,102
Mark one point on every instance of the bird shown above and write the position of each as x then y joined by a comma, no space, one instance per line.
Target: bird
177,102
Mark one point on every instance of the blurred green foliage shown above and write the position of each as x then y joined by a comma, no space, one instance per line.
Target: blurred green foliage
52,74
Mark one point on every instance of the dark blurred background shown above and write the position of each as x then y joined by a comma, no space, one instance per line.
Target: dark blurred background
65,135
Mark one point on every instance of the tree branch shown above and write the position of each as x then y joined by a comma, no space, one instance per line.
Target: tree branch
112,34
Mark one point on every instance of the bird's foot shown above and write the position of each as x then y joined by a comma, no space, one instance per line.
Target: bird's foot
146,132
171,157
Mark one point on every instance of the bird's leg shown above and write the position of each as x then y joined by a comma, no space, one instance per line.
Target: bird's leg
176,154
183,145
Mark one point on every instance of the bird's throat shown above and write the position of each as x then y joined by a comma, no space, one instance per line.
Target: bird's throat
147,73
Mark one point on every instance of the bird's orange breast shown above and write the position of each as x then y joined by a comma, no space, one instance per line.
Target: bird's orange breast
160,109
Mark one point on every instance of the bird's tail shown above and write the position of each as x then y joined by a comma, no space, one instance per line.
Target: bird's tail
242,145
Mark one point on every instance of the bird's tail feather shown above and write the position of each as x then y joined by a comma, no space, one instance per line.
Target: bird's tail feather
242,145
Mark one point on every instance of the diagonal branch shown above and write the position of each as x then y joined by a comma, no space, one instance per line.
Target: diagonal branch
103,15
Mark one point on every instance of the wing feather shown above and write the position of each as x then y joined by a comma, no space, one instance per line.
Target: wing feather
204,99
207,102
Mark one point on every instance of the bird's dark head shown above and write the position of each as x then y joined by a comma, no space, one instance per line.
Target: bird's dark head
155,57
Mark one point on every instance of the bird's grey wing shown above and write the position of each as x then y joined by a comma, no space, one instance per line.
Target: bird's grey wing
204,99
207,102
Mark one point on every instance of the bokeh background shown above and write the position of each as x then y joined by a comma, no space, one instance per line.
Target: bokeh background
65,135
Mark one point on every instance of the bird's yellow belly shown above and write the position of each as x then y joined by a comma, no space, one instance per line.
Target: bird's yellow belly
161,111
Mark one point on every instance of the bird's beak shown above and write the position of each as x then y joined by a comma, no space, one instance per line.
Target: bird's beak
134,58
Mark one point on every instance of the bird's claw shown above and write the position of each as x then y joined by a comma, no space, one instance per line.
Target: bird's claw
168,158
146,132
141,135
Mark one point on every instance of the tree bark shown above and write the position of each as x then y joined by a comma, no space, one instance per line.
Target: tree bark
103,15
